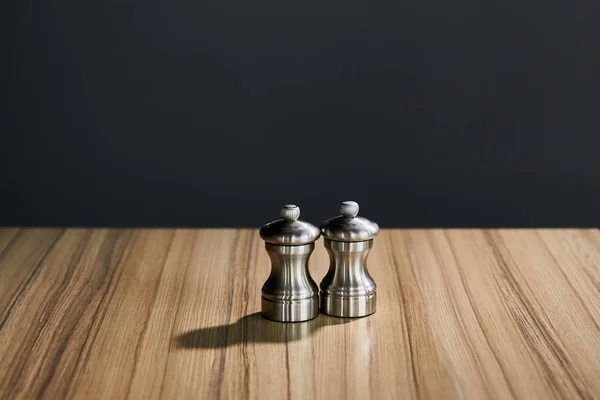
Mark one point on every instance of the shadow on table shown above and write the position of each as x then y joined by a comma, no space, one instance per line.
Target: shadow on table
253,328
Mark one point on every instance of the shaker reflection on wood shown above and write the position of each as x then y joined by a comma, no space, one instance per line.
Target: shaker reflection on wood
174,314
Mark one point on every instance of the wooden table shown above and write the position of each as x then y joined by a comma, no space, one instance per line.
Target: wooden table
97,313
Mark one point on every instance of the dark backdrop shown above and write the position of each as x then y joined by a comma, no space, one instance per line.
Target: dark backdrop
214,113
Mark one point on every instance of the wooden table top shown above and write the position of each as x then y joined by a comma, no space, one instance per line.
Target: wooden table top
146,314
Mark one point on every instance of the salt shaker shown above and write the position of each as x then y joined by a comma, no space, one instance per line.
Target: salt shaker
289,294
348,290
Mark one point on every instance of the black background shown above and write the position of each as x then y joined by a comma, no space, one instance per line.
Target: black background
214,113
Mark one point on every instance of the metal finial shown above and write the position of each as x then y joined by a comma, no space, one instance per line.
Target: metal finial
290,212
349,209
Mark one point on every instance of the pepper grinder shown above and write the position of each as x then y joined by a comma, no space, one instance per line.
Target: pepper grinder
348,290
289,294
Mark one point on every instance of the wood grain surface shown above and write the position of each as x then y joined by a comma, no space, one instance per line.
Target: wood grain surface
174,314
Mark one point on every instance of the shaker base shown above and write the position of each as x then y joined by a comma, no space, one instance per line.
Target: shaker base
348,307
290,311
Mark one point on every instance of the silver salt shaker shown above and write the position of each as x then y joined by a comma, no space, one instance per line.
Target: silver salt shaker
348,290
289,294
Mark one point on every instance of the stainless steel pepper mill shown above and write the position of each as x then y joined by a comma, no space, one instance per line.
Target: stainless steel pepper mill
348,290
289,294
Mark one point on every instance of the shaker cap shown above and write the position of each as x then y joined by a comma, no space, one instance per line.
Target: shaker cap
348,227
289,230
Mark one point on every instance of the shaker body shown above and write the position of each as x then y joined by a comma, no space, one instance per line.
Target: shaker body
289,294
348,290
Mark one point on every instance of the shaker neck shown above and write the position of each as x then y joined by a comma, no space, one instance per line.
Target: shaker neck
299,250
348,247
